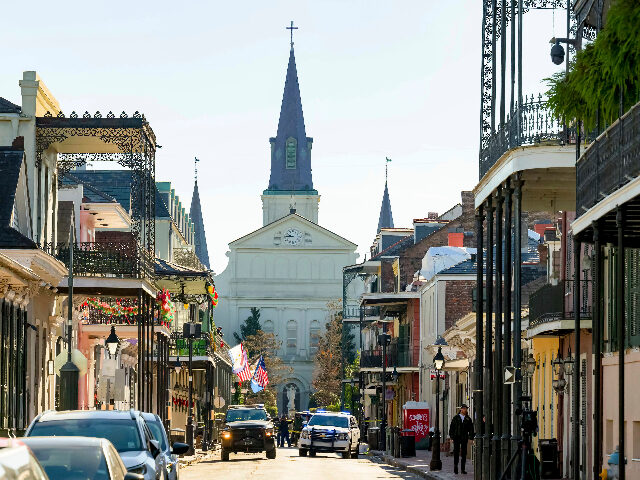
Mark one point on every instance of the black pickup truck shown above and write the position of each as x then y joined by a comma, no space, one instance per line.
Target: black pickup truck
247,428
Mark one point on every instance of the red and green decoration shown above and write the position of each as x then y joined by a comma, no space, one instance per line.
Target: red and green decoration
166,306
213,295
115,310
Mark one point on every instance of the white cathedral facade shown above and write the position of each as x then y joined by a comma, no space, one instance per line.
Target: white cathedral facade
291,267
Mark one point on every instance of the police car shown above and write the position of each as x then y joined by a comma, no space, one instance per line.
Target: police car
336,432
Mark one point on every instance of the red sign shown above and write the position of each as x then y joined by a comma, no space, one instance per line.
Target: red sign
417,419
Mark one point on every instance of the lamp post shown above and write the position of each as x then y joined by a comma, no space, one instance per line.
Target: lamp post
438,360
384,339
69,373
112,342
191,330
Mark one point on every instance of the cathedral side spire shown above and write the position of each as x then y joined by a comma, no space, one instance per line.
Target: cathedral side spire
198,225
386,217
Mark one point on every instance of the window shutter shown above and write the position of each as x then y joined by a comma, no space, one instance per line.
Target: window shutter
632,296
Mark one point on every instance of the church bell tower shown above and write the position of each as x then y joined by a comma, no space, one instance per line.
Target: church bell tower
290,183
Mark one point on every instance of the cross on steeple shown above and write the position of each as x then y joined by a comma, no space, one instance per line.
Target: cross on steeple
386,168
195,163
292,28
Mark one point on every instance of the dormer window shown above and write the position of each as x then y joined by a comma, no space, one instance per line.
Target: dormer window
291,147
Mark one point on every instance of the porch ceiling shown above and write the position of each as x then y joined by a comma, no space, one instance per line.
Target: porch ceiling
609,229
548,172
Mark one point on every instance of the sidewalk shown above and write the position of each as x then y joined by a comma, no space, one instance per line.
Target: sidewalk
199,456
419,465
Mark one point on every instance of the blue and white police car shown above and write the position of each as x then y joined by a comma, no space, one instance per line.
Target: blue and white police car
335,432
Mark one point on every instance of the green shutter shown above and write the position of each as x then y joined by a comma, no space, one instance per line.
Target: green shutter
611,301
632,295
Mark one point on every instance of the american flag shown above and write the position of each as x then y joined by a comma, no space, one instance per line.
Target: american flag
260,375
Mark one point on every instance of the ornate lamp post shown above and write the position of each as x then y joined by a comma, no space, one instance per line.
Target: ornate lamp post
384,339
438,360
112,342
69,373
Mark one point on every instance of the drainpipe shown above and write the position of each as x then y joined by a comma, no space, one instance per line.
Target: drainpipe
488,361
597,350
620,317
478,388
576,367
498,360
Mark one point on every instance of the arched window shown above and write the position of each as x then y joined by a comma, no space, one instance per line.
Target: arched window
292,337
314,336
267,326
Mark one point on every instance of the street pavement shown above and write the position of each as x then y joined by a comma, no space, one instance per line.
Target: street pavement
288,465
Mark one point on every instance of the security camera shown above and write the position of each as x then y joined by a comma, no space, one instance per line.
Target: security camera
557,53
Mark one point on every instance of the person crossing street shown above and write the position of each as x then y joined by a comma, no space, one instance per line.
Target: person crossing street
284,431
460,431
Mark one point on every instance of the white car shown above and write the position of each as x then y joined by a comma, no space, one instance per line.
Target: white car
336,432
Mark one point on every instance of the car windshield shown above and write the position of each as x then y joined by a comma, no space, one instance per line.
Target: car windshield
124,434
329,421
242,414
78,462
158,432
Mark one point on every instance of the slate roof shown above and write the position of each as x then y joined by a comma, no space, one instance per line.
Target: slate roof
198,225
291,124
386,217
10,165
8,107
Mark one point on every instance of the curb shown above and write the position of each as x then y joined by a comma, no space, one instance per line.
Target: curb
389,460
197,458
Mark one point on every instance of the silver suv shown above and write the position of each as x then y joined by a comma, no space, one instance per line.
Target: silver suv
133,440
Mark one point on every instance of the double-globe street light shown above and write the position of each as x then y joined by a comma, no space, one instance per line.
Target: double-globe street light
438,361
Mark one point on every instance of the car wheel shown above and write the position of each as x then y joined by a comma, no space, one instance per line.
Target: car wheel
224,455
312,453
271,454
347,454
357,450
302,452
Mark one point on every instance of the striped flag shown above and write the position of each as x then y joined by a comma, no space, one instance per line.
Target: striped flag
260,374
245,373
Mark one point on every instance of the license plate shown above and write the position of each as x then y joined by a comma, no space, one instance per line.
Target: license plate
248,441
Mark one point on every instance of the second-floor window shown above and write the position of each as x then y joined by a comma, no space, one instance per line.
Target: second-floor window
292,337
314,336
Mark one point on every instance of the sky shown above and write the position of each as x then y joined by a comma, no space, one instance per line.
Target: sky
378,79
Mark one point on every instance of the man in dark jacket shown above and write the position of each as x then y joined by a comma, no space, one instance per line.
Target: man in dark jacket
284,431
460,431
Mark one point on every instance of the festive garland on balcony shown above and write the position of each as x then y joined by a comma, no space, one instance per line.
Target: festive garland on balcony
116,310
213,295
166,306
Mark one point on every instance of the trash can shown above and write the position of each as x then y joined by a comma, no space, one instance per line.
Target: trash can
373,438
408,443
549,458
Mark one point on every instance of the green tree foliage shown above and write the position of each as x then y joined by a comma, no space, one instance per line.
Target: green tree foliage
251,326
351,401
327,374
602,71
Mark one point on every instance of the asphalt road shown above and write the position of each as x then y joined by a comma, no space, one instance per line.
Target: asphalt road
289,466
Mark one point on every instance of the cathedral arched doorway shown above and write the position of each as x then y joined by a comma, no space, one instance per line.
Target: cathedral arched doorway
290,398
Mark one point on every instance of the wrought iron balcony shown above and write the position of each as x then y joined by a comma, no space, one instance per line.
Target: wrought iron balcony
207,345
398,355
353,312
532,123
105,259
609,162
555,302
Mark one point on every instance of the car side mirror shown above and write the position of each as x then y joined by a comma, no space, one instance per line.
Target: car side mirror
133,476
155,448
179,448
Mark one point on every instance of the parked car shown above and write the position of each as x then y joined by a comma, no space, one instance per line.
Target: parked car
247,428
170,453
126,430
18,463
79,458
336,432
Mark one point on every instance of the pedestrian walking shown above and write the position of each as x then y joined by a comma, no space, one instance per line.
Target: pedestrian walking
460,431
284,431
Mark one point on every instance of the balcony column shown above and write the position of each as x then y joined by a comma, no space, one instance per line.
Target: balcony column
140,341
575,447
488,339
517,301
597,352
497,352
506,357
151,330
620,319
478,406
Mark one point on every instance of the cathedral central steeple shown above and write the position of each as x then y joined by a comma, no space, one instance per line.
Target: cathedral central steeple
291,148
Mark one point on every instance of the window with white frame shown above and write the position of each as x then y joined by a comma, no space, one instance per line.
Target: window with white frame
292,337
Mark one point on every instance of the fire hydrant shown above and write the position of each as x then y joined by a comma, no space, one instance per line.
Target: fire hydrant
612,472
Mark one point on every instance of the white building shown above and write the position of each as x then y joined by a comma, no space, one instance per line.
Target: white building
291,267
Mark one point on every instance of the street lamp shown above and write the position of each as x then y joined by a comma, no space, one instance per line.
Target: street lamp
530,365
112,342
384,339
568,364
177,365
438,361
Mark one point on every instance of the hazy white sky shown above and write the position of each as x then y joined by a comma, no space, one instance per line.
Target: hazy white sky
378,78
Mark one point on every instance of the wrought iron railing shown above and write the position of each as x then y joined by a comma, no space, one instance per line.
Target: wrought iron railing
611,161
105,259
532,123
555,302
353,311
207,345
398,355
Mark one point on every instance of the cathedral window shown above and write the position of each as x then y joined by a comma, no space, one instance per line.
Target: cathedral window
291,147
314,336
292,337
